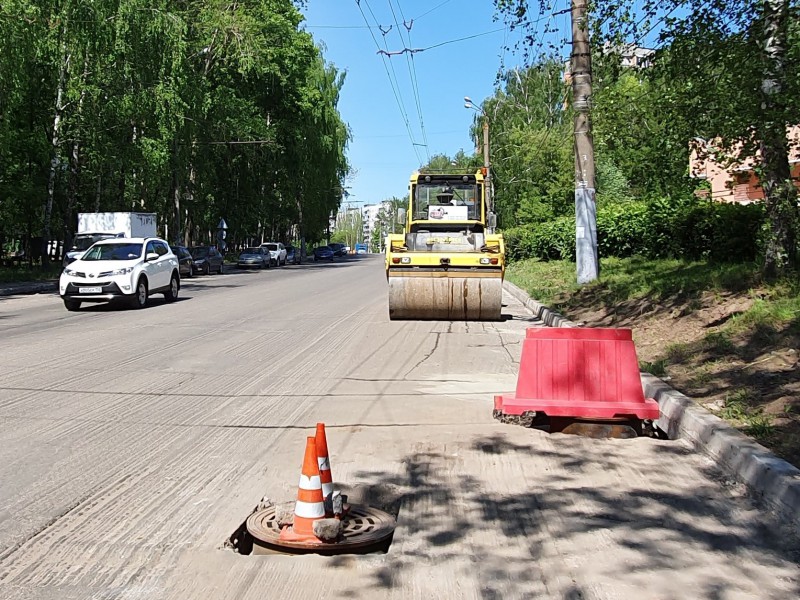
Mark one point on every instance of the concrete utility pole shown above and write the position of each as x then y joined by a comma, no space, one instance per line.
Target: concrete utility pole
587,263
487,184
488,181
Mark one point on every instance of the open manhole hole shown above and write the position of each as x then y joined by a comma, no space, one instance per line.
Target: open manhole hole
366,530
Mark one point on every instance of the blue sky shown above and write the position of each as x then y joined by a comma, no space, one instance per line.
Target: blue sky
395,129
404,108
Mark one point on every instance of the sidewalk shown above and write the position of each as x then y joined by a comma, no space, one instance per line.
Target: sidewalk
770,479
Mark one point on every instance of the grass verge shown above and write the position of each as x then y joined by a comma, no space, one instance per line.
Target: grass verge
22,274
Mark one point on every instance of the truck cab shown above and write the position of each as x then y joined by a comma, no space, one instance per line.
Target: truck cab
82,242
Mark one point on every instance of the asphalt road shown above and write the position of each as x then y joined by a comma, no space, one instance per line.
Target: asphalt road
134,443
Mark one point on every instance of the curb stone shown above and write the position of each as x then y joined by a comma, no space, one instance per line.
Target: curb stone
548,316
31,287
770,479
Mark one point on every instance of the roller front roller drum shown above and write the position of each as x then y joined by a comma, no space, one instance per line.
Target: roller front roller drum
449,298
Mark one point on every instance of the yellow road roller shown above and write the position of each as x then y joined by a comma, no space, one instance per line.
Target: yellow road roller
448,264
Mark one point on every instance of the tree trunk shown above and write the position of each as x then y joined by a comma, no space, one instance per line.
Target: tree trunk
55,158
780,195
178,233
74,161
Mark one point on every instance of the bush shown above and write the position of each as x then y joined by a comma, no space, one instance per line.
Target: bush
663,228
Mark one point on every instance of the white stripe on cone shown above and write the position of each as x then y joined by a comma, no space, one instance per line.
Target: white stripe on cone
324,463
309,510
327,489
309,483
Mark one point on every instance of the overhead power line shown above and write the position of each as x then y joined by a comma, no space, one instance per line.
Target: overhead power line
392,81
412,72
416,50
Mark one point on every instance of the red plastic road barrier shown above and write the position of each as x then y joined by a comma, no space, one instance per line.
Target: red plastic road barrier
579,372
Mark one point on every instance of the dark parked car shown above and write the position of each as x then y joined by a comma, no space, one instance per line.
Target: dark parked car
292,255
207,259
338,249
185,261
254,257
323,253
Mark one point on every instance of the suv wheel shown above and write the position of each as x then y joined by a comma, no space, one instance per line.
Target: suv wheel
139,299
174,287
71,305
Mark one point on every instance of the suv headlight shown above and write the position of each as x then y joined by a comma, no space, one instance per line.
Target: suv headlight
124,271
69,272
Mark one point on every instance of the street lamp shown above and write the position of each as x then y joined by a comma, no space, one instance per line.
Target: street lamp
486,165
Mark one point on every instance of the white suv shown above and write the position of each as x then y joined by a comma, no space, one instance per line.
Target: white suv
128,269
277,253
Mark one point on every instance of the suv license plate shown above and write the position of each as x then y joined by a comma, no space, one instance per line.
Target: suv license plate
91,290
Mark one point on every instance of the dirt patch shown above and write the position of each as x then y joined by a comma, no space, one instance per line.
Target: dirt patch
749,376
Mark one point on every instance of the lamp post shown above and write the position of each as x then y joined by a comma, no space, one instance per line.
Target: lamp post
486,164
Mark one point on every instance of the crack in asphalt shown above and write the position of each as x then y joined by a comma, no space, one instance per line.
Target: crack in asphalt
427,356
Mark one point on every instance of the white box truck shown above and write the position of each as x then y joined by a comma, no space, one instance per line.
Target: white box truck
93,227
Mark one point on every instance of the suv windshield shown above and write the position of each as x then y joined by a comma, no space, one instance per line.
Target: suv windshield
125,251
272,247
199,252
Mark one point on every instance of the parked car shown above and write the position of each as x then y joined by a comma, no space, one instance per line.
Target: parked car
257,257
338,249
127,269
185,260
207,259
277,252
323,253
292,255
361,248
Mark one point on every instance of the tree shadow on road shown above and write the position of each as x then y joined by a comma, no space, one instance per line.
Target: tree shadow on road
481,512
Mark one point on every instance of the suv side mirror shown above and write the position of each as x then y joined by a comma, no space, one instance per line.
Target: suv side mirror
151,256
401,216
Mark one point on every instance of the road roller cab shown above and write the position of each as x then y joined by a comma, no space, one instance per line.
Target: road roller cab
447,264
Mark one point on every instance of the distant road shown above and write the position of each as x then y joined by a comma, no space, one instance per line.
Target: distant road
134,443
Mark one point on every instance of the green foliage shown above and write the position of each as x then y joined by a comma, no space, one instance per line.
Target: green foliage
460,163
543,280
612,184
530,145
349,228
690,229
727,72
192,110
739,409
625,279
386,222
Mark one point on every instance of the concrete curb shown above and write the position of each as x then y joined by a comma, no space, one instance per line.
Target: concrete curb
548,316
770,479
32,287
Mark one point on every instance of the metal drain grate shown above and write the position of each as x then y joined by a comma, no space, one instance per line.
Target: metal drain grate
366,530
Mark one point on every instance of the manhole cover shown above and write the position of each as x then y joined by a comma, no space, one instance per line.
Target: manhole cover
366,530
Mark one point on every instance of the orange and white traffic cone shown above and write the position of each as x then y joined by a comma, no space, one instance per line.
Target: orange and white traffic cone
309,506
324,461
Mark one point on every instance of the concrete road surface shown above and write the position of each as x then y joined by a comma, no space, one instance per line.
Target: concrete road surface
134,443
